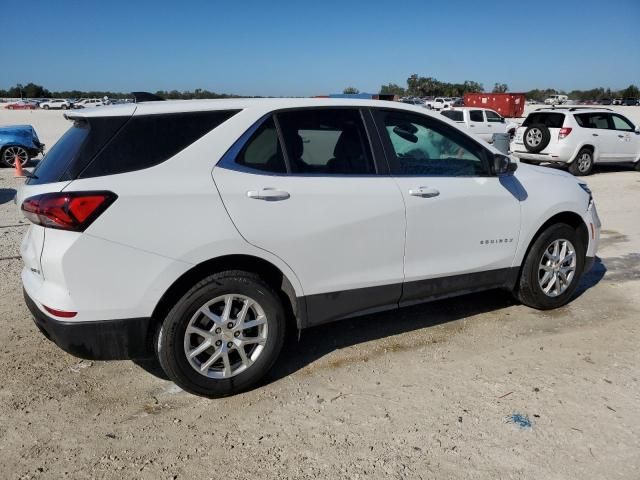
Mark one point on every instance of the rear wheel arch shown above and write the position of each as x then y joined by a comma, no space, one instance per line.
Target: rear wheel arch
295,309
588,146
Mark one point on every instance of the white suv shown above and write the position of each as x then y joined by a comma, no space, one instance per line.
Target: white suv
199,231
55,103
88,103
579,137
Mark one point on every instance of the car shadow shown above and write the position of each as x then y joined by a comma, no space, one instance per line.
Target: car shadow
7,195
316,342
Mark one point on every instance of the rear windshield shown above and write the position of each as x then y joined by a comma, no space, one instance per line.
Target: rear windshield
548,119
108,145
455,115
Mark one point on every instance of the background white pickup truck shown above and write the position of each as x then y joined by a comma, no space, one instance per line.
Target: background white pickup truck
439,103
481,121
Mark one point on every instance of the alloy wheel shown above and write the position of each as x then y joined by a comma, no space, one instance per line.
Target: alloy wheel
557,267
534,137
226,336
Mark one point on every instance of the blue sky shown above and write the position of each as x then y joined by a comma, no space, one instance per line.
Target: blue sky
273,47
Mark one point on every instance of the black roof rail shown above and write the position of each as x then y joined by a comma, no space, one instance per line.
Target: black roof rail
572,109
145,97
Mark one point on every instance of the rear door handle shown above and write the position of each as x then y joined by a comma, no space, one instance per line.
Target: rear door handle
268,194
424,192
594,134
620,136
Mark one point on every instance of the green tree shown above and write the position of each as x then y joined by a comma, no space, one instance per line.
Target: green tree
392,89
630,92
351,90
500,88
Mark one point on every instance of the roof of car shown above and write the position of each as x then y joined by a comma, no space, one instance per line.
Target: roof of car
176,106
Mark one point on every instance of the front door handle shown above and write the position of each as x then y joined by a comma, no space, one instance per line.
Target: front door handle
268,194
594,134
620,136
424,192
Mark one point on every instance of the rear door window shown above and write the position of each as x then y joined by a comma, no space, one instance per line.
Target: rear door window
476,116
455,115
594,120
326,141
548,119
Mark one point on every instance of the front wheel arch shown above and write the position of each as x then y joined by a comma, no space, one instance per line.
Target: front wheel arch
570,218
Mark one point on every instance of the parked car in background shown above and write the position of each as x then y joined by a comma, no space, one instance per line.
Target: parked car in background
605,101
425,211
439,103
55,103
480,121
88,103
630,102
19,142
578,137
22,105
556,99
617,101
459,102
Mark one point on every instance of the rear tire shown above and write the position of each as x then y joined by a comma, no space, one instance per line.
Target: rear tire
540,262
46,107
229,371
583,163
637,166
8,155
536,138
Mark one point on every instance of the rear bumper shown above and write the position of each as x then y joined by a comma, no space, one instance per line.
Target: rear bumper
96,340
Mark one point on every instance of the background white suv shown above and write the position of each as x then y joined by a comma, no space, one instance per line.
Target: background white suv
199,231
55,103
579,137
88,103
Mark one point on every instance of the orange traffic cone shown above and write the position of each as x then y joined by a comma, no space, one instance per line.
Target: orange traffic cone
19,173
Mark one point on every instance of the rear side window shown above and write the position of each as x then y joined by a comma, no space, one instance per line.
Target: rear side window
593,120
476,116
548,119
455,115
148,140
326,141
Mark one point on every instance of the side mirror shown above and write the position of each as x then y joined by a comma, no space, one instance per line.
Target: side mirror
502,165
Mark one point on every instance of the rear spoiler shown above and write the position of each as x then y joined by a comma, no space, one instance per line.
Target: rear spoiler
145,97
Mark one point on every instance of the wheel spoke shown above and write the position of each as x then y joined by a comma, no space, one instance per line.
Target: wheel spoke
197,331
563,250
253,340
211,316
228,303
568,258
546,277
215,357
550,284
227,364
254,323
199,349
246,361
243,313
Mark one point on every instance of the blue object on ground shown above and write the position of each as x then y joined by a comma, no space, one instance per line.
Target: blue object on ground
521,420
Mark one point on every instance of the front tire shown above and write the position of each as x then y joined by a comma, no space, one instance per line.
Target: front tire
223,335
583,164
552,268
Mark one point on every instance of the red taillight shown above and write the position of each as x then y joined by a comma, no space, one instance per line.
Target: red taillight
60,313
67,210
564,132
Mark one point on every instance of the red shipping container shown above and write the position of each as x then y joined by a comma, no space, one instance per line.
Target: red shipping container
506,104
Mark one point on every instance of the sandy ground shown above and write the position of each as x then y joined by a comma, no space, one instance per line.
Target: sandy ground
426,392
